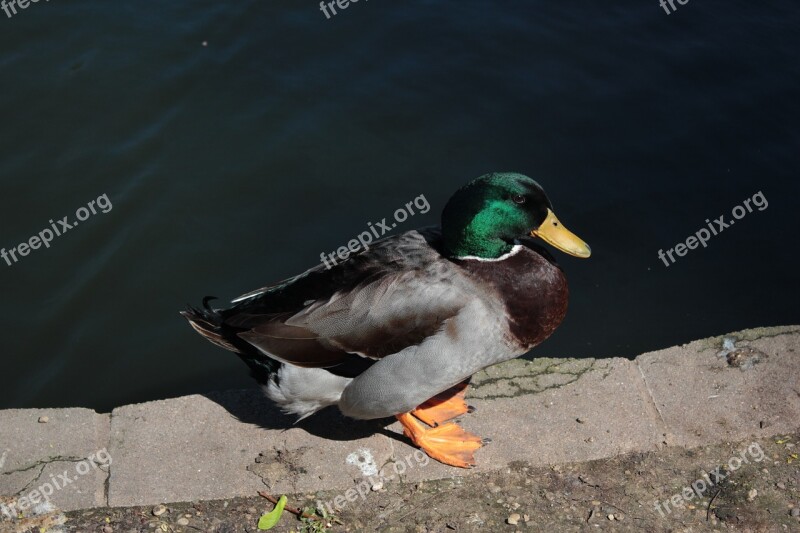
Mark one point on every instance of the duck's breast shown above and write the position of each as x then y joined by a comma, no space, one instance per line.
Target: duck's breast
532,288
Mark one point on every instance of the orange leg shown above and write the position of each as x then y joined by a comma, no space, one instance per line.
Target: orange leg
448,443
443,407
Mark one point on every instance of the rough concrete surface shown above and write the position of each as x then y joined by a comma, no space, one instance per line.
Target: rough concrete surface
540,412
702,398
199,447
595,412
46,446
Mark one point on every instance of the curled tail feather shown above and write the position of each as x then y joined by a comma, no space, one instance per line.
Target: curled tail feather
208,323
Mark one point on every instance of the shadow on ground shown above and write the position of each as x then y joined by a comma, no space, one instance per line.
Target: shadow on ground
252,407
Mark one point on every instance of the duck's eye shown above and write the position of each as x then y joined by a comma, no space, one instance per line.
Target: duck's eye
518,199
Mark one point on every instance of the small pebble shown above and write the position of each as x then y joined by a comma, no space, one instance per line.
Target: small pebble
44,419
513,519
377,486
158,510
752,495
611,517
781,486
108,529
795,512
183,521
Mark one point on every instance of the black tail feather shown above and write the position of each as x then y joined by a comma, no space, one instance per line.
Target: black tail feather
210,323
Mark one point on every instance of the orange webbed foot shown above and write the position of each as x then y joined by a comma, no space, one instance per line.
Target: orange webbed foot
445,441
448,443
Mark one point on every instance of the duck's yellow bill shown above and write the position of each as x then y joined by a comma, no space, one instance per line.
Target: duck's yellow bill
553,232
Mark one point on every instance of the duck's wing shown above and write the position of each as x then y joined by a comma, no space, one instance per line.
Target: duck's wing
397,294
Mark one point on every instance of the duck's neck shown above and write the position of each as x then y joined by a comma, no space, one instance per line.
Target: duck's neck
477,239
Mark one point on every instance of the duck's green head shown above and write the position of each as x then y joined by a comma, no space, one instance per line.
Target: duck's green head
484,217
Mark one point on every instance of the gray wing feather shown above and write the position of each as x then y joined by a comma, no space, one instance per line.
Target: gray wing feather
392,296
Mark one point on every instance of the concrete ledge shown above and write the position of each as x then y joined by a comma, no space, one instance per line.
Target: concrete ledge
586,409
49,452
544,411
228,444
701,398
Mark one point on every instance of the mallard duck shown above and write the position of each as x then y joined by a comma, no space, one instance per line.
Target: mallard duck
398,329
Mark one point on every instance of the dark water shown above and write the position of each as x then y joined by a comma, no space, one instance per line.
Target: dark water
237,163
